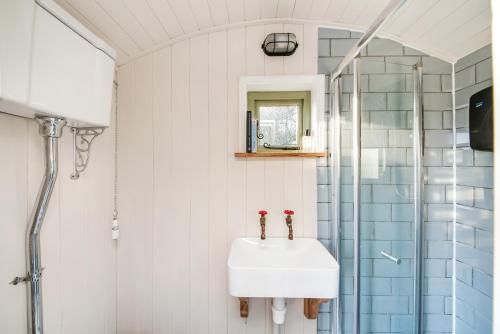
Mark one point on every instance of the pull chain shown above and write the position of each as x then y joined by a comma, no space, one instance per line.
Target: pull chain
115,227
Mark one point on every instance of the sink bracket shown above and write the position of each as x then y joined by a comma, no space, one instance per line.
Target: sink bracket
311,307
82,142
244,303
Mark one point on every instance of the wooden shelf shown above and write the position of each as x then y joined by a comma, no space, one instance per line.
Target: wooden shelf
280,155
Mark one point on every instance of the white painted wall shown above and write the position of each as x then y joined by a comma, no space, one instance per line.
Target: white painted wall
77,253
184,196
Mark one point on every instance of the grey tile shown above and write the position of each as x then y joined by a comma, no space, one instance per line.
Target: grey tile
391,193
402,175
434,193
446,85
401,138
347,84
327,65
438,139
475,217
440,249
387,83
484,70
374,139
464,195
374,101
437,101
484,241
436,231
333,33
432,83
448,120
473,58
475,176
433,157
462,96
483,159
323,193
483,198
465,234
400,64
376,212
483,282
438,323
439,175
433,120
387,120
371,65
475,258
475,298
464,272
433,304
440,212
324,48
384,47
399,101
465,78
340,47
436,66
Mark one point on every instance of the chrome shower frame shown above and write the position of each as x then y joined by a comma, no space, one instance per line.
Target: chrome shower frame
50,128
418,186
334,157
356,175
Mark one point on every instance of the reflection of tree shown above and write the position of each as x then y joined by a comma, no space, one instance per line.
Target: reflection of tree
278,124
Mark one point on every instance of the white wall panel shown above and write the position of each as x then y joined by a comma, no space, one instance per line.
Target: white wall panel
204,197
199,210
136,198
182,188
163,252
77,252
237,167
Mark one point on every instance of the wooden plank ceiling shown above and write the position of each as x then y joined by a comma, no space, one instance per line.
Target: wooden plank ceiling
449,29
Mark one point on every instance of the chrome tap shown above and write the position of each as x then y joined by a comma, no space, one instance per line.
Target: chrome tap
288,221
262,214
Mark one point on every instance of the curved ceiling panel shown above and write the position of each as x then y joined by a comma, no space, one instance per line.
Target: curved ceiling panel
449,29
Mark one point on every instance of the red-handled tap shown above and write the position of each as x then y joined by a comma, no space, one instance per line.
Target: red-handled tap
262,214
288,221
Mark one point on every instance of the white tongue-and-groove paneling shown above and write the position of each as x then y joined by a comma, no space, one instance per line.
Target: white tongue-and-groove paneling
186,196
432,26
79,257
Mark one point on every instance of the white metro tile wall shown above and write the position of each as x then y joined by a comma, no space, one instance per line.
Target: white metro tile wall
387,204
474,215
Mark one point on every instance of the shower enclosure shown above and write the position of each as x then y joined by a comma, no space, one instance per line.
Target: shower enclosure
390,268
376,140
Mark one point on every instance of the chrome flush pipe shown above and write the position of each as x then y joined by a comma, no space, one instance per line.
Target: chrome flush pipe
50,128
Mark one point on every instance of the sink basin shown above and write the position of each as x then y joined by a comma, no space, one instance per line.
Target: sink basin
278,267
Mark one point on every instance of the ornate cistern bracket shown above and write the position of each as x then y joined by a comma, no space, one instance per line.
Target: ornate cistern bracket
82,143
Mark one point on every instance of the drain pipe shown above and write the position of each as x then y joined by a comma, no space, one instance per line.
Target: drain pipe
278,309
50,128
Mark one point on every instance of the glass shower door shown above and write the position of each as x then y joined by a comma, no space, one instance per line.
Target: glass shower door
378,222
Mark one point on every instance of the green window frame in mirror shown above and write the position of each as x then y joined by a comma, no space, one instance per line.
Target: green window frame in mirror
279,128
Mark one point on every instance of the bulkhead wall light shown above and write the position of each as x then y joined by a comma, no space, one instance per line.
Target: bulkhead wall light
280,44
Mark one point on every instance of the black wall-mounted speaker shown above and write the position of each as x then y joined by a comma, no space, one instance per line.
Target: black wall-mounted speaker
481,120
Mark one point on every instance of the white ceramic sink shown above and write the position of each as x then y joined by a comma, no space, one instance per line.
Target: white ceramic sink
278,267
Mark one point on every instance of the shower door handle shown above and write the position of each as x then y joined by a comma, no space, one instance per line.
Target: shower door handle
396,260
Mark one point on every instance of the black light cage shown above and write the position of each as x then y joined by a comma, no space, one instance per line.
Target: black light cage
280,44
